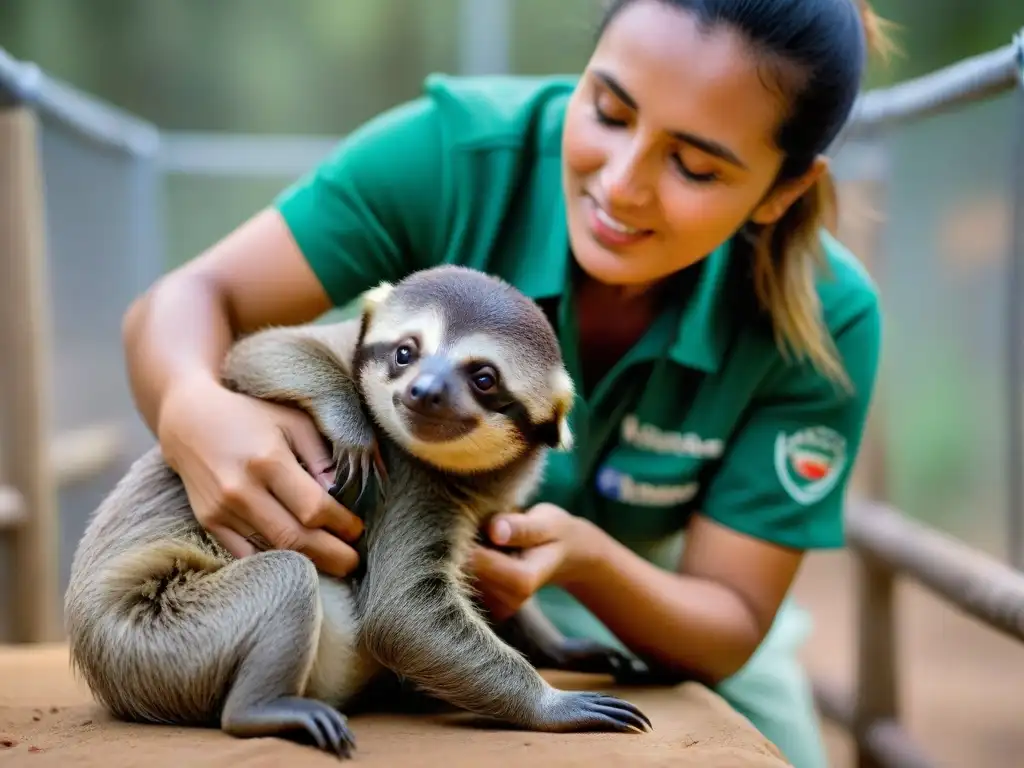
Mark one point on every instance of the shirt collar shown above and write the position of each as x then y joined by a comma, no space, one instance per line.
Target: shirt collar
708,320
541,271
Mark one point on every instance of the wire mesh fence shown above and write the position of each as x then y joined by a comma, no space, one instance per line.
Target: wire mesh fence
103,198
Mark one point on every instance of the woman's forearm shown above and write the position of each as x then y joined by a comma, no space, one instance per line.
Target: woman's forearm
181,329
686,623
178,330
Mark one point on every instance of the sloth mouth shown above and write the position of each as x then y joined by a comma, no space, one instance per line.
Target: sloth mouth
433,429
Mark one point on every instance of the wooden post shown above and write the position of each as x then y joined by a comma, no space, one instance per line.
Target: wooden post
877,679
25,397
877,676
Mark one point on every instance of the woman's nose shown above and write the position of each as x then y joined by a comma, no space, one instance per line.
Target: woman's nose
625,182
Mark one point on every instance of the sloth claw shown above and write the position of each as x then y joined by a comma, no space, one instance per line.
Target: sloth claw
296,719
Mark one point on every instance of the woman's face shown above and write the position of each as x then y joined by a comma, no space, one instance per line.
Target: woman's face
667,146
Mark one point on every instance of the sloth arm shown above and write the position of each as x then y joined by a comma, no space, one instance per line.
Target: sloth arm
310,367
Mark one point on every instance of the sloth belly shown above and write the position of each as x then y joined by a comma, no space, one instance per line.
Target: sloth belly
341,666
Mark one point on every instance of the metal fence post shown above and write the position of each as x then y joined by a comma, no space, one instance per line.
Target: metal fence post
483,35
1015,334
25,401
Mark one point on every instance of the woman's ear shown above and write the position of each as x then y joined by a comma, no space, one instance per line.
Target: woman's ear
785,194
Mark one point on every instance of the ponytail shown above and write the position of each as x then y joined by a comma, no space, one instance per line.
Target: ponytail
787,258
876,32
788,255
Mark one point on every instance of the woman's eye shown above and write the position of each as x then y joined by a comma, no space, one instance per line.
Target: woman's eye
608,110
606,119
403,355
607,114
698,177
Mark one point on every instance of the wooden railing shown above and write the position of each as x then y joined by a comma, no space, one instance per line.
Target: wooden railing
889,545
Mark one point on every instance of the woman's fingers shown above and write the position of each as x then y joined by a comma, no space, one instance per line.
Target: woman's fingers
309,501
311,447
282,530
538,525
232,541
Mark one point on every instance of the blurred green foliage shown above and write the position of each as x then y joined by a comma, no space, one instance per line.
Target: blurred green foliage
322,66
312,66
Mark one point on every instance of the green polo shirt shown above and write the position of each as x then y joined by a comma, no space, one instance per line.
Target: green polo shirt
702,414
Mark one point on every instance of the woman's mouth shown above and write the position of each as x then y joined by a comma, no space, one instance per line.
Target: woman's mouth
609,231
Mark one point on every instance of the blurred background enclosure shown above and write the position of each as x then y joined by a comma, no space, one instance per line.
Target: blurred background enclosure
224,102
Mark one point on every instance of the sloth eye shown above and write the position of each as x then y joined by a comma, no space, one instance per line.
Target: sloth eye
403,355
484,379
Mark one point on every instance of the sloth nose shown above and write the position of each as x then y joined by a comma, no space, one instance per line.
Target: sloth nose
428,394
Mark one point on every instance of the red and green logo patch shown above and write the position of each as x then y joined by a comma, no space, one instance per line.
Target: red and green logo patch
810,462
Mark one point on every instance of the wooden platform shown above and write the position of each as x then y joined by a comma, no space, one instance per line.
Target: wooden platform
47,718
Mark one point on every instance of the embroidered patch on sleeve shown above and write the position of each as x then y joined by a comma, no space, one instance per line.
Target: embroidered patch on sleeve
810,462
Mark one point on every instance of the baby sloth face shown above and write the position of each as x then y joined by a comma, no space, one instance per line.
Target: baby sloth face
463,371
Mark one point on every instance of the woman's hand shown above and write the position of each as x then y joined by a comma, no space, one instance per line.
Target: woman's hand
553,547
237,457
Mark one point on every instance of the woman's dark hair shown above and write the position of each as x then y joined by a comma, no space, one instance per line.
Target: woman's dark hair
813,52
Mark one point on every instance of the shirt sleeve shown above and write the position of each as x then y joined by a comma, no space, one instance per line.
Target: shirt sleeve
372,210
784,474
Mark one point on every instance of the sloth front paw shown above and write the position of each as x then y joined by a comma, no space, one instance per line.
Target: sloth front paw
570,711
296,719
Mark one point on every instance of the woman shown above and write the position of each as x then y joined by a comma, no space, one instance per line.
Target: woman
666,209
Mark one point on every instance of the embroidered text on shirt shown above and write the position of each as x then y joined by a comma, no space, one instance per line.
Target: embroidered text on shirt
651,438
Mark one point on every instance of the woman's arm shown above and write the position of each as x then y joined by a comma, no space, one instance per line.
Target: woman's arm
707,619
370,211
236,456
704,621
179,330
